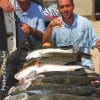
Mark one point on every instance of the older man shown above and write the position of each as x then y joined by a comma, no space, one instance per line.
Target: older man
31,19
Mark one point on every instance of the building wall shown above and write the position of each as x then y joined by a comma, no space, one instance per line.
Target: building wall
84,7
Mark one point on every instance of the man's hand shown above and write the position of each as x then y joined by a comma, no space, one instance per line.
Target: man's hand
55,23
98,45
26,29
6,5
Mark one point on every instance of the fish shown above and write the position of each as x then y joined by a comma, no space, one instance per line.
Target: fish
53,58
25,96
60,97
63,50
53,88
49,89
77,77
40,79
39,53
69,80
65,89
48,68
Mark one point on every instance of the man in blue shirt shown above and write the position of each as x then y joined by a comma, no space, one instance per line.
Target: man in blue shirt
71,29
30,20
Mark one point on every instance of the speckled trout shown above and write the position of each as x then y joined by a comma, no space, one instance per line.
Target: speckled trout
41,52
47,68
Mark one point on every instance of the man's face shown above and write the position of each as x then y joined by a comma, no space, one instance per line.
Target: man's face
65,8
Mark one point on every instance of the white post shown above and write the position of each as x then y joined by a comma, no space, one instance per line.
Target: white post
10,29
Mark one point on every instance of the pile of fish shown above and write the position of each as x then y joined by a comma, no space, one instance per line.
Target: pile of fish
47,75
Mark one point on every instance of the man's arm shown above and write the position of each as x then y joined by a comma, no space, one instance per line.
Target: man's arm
47,34
54,23
27,30
98,45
